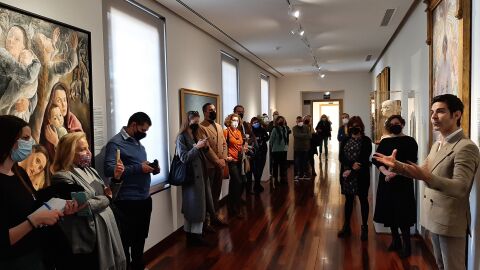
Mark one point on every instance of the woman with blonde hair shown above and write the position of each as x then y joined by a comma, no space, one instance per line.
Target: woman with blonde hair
92,234
235,146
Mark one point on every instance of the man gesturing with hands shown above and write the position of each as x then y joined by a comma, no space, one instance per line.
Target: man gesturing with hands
448,173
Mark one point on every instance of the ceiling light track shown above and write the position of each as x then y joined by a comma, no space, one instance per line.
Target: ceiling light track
298,30
227,35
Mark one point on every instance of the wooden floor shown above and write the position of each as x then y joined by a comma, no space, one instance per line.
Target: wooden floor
292,227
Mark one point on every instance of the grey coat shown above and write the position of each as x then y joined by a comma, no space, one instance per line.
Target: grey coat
100,230
193,194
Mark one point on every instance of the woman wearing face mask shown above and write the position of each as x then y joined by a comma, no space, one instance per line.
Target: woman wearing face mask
355,151
279,146
395,204
261,154
20,239
92,234
191,151
236,148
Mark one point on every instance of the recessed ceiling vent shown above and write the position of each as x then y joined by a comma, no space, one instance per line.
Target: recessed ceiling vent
369,57
387,17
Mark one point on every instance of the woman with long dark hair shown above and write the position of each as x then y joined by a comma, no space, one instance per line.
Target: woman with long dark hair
279,146
21,243
355,151
190,149
395,206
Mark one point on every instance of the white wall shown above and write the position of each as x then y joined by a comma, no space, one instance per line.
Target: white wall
193,61
356,87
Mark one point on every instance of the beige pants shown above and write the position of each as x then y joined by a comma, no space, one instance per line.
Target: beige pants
449,252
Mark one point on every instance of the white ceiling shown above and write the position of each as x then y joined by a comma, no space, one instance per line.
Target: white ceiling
341,32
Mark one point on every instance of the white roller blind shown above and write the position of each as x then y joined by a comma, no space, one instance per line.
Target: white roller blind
137,81
229,85
265,93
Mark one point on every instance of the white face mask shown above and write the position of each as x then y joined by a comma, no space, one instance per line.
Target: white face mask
235,124
345,121
300,124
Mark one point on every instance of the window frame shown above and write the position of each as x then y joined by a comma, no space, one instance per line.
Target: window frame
162,29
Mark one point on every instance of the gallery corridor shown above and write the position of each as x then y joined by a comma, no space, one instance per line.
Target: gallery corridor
292,227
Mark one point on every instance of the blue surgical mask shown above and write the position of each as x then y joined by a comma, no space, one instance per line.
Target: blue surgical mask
256,125
23,151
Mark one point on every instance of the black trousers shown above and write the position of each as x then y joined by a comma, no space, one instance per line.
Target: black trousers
133,220
349,208
280,163
235,187
258,166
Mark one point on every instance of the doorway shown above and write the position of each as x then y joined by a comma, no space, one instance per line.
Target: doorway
332,109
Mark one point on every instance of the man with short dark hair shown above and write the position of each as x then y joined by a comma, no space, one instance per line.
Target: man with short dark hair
448,173
216,156
133,203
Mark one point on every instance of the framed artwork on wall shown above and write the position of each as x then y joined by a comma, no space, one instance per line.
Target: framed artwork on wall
449,37
193,100
45,76
381,95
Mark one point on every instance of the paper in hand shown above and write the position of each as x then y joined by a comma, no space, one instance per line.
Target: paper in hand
54,204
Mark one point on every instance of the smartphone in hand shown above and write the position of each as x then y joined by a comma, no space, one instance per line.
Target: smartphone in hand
81,199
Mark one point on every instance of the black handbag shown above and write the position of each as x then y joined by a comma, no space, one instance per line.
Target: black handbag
178,175
178,172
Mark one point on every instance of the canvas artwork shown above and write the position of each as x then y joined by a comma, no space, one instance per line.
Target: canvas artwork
446,49
45,76
193,100
449,37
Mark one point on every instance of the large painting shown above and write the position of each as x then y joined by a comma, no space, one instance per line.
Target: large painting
45,76
193,100
449,37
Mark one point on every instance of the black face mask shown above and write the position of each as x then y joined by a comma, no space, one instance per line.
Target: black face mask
213,115
194,127
354,130
306,122
241,115
280,123
396,129
138,135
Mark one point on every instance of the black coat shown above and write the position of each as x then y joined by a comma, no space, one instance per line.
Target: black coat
363,175
324,129
395,202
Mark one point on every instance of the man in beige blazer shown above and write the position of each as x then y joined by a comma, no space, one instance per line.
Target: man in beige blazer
216,155
448,173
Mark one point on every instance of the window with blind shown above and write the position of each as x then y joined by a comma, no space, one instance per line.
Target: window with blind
265,93
229,84
136,67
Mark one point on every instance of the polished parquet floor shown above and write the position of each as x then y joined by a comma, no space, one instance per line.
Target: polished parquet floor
292,227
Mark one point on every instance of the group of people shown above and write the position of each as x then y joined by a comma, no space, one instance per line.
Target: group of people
105,227
448,173
107,230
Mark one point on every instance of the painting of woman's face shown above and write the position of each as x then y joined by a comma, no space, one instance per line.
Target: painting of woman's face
35,164
15,41
60,100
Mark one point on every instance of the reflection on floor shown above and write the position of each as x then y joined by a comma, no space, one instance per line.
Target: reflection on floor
292,227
